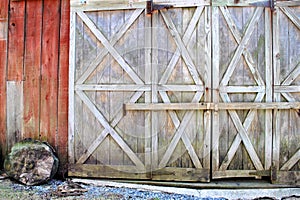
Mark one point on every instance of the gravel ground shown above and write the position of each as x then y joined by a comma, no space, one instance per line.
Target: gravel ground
52,190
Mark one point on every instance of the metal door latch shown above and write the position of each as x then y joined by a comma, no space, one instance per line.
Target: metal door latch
151,7
271,4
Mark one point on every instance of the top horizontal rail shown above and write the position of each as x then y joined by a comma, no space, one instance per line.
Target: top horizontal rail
93,5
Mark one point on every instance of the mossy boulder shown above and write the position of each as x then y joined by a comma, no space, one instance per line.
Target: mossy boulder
31,162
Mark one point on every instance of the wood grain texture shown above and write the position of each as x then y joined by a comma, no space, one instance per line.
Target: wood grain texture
194,66
16,36
63,83
121,73
3,65
286,67
32,69
241,69
49,71
14,112
3,62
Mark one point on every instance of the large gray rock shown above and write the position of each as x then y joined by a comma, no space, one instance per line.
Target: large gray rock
31,162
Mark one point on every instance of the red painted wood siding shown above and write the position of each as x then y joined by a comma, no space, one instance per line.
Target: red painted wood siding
3,62
16,41
36,52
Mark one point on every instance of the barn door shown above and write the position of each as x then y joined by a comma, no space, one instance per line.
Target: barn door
286,140
242,72
123,61
256,62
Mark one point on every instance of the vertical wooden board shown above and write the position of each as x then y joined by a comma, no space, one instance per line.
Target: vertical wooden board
49,71
71,92
3,65
62,118
220,54
90,124
130,54
14,112
147,75
32,69
117,75
78,70
102,97
269,88
3,62
155,150
207,132
140,131
102,152
16,40
276,72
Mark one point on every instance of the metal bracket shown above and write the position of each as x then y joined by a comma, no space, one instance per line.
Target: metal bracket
151,7
271,4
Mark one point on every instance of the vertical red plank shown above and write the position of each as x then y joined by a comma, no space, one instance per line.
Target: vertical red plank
3,62
63,82
32,68
49,71
16,40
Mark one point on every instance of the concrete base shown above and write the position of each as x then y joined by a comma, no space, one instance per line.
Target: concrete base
228,193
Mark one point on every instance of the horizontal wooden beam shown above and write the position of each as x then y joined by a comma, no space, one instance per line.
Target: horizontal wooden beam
131,172
288,88
285,177
242,89
96,5
89,5
135,87
288,3
234,174
107,171
211,106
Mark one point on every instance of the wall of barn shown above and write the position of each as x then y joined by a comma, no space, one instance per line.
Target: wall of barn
34,46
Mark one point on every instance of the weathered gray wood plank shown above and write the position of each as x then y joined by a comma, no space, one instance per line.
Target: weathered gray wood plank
71,106
14,112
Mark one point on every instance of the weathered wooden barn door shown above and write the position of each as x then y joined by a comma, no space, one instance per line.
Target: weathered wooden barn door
181,75
256,61
286,137
123,61
242,72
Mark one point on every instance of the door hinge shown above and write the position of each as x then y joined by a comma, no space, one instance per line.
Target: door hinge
151,6
271,4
